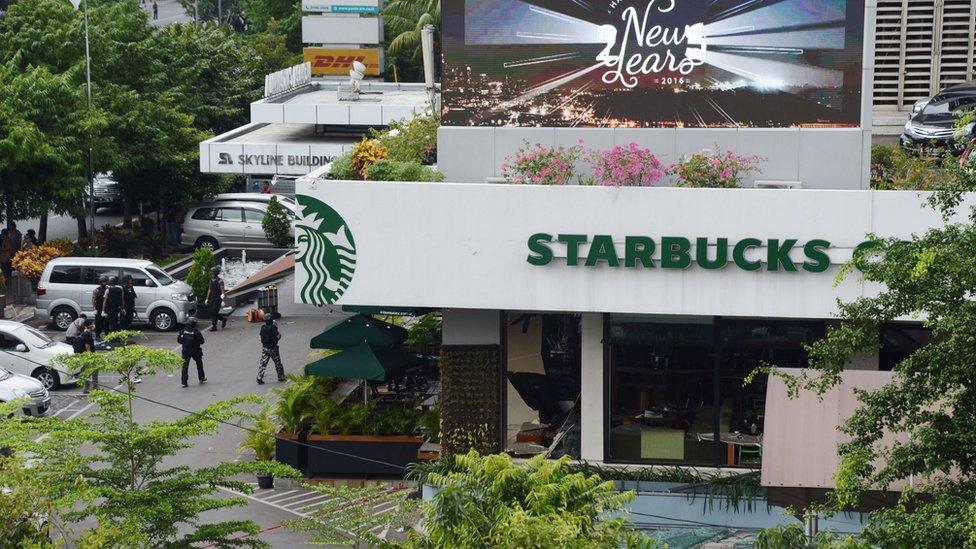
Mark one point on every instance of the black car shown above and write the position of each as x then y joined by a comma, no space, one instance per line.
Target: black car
931,129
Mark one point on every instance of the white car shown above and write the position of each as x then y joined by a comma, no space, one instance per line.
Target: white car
26,351
15,386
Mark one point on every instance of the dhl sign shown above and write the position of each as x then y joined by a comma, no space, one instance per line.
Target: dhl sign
333,61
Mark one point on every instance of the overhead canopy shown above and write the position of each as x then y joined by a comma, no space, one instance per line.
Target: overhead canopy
357,330
385,310
365,361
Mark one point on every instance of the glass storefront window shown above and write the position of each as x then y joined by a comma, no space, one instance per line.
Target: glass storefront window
677,387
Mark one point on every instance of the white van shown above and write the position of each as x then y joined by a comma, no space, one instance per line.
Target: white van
66,286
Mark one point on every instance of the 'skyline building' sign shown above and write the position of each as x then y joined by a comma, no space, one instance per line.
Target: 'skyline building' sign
675,252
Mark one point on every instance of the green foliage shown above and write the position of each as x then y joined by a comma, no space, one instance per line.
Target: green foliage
413,140
277,17
342,168
793,536
430,424
894,168
928,402
394,170
404,19
113,477
199,274
277,224
299,398
329,416
426,330
259,437
489,501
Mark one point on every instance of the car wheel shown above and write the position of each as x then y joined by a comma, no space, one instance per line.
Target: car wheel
163,320
62,317
48,377
207,242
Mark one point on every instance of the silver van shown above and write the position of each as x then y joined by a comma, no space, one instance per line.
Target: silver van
66,286
230,220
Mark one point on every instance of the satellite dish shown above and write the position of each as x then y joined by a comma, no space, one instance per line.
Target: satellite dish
359,67
355,76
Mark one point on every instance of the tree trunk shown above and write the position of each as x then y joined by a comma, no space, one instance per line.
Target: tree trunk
10,213
127,210
42,227
82,225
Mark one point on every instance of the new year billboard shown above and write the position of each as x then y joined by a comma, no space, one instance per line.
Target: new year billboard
652,63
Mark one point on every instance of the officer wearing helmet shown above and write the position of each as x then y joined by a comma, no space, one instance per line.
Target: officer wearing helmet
192,341
98,303
215,296
112,307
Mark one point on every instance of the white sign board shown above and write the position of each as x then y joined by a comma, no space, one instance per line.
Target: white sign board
342,29
479,246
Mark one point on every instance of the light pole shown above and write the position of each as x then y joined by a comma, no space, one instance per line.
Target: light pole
91,179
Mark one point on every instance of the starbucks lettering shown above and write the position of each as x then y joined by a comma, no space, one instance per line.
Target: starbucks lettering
678,252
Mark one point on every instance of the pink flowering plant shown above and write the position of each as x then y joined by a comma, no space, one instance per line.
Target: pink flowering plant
713,169
629,166
541,165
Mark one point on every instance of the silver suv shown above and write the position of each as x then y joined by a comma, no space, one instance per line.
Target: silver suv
230,220
66,285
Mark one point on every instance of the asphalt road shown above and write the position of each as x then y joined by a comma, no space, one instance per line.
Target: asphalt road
230,359
62,225
170,11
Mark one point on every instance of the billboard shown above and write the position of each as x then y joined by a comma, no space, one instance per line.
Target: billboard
338,61
652,63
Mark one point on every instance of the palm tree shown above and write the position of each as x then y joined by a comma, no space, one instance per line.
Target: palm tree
405,19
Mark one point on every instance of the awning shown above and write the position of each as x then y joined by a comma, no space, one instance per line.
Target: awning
387,310
357,330
367,362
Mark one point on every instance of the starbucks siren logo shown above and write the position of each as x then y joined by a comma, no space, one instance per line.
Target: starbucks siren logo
327,251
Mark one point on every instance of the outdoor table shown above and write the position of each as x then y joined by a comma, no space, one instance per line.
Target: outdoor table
732,441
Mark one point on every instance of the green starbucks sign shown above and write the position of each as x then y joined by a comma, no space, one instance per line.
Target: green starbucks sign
675,252
326,251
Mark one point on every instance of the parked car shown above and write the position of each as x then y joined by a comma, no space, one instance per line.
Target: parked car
931,130
15,386
27,351
107,191
229,220
260,198
66,285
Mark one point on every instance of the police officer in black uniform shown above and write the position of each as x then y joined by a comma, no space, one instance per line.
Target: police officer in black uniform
114,297
192,341
128,302
98,302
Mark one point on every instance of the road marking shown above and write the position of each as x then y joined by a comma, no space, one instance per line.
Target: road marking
290,498
279,495
259,500
322,497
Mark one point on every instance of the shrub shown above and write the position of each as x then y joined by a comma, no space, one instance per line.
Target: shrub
413,140
276,224
394,170
541,165
30,263
365,153
64,244
629,166
198,277
342,168
895,168
713,169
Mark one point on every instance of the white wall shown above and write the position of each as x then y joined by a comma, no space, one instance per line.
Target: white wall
591,384
464,245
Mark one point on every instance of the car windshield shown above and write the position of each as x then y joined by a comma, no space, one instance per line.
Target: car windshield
35,338
943,108
161,277
4,374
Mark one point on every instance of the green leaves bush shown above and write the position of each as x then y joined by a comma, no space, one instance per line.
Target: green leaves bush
277,224
396,170
199,274
413,140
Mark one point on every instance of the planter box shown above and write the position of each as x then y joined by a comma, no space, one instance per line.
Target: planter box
347,454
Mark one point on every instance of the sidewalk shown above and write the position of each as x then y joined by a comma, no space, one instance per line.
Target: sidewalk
18,313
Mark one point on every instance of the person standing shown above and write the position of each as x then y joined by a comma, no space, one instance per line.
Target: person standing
114,298
85,343
269,349
98,303
155,10
15,236
192,341
215,296
30,240
128,302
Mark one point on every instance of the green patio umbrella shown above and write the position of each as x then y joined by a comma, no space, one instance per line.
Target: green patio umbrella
357,330
365,361
391,310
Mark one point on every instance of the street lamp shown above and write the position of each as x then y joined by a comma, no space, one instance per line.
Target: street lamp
91,180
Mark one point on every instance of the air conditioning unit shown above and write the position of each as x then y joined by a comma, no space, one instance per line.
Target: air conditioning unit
776,184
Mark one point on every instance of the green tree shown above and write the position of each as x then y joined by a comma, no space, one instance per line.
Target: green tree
931,399
112,477
199,274
405,19
282,17
276,224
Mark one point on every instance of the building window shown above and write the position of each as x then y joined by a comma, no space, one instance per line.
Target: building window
676,387
899,341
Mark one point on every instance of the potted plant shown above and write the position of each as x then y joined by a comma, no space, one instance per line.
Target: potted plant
260,440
